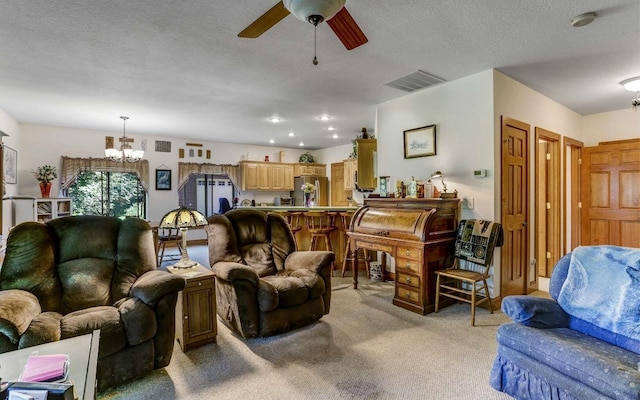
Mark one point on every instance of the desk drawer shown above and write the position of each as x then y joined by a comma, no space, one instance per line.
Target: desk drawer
408,265
409,280
408,294
409,252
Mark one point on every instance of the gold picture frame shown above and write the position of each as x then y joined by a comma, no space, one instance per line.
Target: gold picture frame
420,142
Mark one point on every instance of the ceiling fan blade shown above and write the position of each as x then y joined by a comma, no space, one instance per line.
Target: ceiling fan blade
265,22
347,30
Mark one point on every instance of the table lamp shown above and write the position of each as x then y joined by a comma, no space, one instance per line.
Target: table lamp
444,194
183,218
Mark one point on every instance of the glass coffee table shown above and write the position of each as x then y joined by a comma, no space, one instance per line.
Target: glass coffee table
83,360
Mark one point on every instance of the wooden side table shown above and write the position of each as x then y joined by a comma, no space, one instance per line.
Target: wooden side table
196,321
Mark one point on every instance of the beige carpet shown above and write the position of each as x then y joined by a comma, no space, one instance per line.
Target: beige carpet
366,348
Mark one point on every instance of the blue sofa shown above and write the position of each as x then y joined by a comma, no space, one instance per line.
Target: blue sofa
584,343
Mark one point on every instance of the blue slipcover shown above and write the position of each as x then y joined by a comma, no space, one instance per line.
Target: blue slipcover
548,353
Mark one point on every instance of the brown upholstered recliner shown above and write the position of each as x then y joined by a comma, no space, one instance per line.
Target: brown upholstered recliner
75,274
264,286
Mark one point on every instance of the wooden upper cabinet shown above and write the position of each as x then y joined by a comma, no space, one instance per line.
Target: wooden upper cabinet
281,177
306,169
256,175
366,150
350,168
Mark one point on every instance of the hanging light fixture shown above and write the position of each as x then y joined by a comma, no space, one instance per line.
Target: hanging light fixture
314,12
633,85
125,153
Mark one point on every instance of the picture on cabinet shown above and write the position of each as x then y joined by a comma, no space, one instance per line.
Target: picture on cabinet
10,165
163,179
420,142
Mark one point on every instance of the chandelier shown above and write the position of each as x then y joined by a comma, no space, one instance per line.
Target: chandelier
125,153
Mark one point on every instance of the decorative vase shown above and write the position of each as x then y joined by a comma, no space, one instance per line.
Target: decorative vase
308,201
45,189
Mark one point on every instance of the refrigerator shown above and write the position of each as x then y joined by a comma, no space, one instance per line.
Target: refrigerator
322,190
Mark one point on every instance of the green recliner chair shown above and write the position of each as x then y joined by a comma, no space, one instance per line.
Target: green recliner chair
72,275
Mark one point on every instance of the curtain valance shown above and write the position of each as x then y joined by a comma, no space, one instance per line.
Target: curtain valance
72,167
186,169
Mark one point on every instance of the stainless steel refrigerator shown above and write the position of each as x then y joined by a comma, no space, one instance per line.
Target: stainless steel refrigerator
321,194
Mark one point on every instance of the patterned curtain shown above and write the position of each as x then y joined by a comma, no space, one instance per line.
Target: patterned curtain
186,169
72,167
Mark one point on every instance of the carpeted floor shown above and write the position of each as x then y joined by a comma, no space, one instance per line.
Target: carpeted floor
365,348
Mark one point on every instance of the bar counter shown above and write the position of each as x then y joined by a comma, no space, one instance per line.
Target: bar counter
303,238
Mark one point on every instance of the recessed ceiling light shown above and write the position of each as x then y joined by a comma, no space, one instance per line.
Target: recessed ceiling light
331,128
583,19
275,119
335,136
301,144
324,118
291,134
272,141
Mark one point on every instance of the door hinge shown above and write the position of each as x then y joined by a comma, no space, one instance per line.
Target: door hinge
548,254
548,156
579,161
579,204
548,206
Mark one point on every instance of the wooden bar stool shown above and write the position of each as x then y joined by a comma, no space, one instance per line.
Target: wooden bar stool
320,224
345,219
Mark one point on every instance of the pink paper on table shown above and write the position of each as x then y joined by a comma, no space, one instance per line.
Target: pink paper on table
45,368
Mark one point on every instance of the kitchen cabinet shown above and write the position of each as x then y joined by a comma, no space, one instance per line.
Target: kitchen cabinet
350,168
305,169
264,176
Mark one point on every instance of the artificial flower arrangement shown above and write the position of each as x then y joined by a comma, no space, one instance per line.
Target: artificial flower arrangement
308,187
45,173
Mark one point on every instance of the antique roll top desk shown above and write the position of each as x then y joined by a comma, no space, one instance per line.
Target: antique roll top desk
420,235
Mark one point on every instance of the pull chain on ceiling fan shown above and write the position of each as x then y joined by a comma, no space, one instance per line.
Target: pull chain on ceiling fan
314,12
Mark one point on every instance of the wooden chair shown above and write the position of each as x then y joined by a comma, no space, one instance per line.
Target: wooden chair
475,242
169,237
320,225
345,219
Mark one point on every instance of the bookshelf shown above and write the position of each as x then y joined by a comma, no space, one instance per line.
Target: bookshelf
18,209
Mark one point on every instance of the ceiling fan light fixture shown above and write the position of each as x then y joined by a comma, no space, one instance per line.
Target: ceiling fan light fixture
632,84
304,10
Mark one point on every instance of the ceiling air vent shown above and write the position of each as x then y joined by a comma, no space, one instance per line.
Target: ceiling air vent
414,81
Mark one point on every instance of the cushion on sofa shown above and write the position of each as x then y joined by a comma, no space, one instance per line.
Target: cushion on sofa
609,369
290,291
44,328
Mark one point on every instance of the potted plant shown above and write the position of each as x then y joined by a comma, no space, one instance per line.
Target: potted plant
45,174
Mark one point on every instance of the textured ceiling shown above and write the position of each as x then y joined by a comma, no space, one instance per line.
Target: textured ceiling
177,68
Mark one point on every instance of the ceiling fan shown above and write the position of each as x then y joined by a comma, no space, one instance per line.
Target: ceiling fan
314,12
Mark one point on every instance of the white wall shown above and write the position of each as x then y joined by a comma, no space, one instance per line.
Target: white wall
462,111
614,125
39,144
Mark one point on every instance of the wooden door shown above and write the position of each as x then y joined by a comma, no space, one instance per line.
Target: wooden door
611,194
548,229
338,194
515,208
572,202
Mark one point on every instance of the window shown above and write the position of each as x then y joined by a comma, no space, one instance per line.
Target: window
118,194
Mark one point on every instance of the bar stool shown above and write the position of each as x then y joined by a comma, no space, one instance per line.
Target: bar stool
345,217
320,224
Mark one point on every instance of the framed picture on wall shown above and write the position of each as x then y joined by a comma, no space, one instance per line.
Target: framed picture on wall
163,179
10,165
420,142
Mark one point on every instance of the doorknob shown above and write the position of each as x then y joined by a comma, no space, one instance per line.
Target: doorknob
524,223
